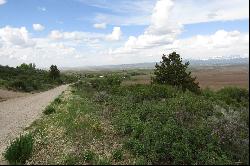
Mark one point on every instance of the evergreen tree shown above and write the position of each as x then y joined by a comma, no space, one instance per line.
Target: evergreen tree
171,71
54,73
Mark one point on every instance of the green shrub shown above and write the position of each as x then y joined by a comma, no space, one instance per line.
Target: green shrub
104,161
20,149
117,154
168,126
19,85
234,96
174,130
27,78
58,100
89,156
49,110
71,160
101,96
106,82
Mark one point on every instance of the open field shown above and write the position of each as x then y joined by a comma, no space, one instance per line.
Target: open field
212,77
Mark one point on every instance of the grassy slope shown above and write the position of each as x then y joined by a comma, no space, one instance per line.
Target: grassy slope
78,133
142,125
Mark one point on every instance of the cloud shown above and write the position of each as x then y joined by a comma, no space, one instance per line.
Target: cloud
38,27
56,35
159,32
164,22
220,44
115,35
16,37
17,46
42,9
207,11
2,2
161,36
139,12
100,26
122,12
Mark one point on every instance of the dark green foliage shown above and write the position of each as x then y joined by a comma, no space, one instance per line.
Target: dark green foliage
117,154
58,100
89,156
20,150
171,71
104,161
54,73
49,110
106,82
24,66
71,160
229,96
27,78
234,96
139,93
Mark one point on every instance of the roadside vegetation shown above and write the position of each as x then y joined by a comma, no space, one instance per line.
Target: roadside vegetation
101,121
27,78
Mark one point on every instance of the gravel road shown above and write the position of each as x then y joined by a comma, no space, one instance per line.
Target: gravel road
6,94
18,113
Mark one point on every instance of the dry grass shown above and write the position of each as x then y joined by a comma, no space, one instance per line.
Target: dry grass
214,78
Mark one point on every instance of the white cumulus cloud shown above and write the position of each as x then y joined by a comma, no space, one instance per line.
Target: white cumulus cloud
220,44
115,35
16,37
38,27
100,26
159,32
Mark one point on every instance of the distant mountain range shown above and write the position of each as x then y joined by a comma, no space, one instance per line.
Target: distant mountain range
151,65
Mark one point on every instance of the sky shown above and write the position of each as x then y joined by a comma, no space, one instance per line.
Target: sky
74,33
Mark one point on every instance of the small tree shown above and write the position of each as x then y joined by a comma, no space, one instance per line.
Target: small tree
171,71
54,73
25,66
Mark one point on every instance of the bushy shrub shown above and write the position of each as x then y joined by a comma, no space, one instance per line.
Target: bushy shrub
49,110
117,154
140,93
58,100
168,126
101,96
18,85
106,82
27,78
89,156
176,130
20,149
234,96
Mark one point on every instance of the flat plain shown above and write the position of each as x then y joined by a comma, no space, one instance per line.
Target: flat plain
214,77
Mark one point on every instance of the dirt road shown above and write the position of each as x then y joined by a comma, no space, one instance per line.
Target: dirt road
6,94
18,113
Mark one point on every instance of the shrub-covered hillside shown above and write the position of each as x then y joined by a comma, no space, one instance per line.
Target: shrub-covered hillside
164,125
27,78
101,122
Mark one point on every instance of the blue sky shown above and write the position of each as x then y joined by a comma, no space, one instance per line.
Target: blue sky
99,32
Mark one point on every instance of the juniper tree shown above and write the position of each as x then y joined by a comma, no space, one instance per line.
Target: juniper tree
54,73
172,71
